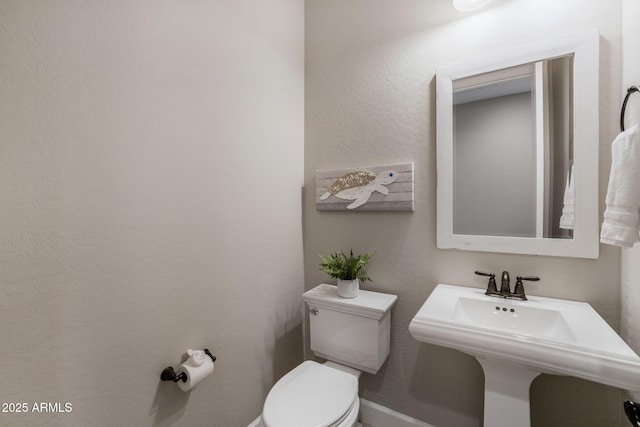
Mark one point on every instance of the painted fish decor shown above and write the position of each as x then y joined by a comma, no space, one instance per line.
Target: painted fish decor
359,186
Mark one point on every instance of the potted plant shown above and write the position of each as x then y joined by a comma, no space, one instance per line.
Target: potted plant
349,270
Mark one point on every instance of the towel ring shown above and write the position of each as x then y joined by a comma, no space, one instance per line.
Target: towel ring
631,90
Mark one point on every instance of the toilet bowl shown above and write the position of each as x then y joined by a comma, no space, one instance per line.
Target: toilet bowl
353,335
313,394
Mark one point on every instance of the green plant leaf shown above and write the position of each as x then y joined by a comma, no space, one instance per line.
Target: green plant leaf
340,266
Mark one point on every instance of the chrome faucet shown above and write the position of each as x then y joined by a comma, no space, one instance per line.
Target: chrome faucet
505,286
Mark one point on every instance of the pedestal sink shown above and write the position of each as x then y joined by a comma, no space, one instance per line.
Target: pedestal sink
515,341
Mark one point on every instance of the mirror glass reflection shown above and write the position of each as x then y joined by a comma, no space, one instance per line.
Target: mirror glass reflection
513,151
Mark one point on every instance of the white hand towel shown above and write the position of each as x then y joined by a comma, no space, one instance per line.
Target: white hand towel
567,220
620,226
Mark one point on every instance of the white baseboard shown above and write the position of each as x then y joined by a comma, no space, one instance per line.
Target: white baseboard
377,416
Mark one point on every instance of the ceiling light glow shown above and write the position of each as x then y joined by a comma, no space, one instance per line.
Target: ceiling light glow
469,5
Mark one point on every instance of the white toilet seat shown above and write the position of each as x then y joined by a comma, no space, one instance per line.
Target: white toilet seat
312,395
350,418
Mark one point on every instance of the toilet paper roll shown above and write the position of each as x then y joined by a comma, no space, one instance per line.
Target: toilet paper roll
196,372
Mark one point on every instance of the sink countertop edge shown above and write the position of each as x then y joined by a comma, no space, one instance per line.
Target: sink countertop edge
616,372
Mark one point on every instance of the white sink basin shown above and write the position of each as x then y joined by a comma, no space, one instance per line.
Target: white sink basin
513,317
546,335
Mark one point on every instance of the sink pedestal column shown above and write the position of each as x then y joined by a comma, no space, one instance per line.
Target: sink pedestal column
506,393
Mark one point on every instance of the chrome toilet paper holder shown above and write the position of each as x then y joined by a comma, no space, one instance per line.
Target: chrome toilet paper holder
169,374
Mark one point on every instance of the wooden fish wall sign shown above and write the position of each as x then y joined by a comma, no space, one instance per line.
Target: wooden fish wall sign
378,188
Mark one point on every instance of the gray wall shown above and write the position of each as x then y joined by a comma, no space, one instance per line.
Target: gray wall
495,167
369,96
151,160
631,257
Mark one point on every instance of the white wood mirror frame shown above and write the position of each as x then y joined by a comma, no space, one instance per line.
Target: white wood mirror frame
585,242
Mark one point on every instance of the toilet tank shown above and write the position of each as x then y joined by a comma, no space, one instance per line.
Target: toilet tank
351,331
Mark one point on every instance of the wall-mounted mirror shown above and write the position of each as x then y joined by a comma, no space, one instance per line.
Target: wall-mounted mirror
517,150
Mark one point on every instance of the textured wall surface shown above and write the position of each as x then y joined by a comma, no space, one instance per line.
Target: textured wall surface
630,280
370,100
151,160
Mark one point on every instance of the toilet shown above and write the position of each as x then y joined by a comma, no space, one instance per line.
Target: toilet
353,335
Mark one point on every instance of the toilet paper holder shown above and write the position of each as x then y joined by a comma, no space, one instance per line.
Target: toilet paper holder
169,374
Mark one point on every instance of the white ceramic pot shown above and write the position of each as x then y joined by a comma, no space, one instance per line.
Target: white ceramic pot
348,288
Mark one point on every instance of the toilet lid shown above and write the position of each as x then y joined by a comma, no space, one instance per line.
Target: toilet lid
310,395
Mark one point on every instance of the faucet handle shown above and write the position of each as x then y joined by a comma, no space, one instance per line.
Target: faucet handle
518,291
491,286
481,273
